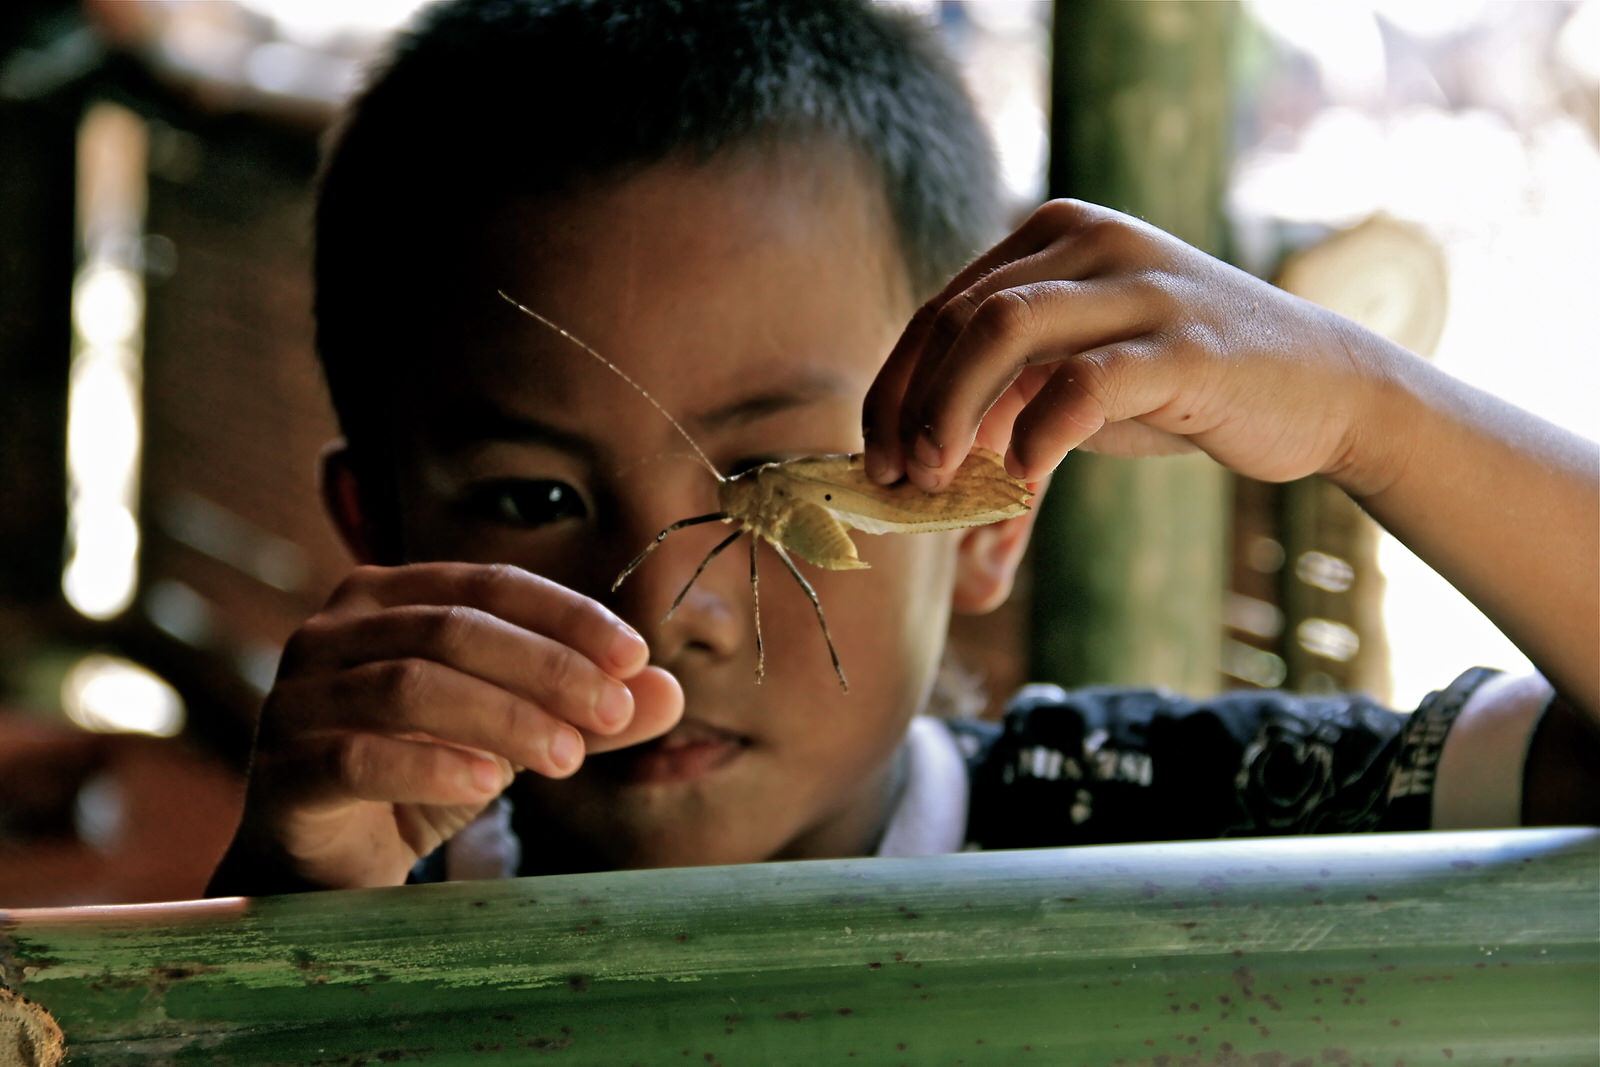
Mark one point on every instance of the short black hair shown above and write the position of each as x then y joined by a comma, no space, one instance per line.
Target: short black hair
481,100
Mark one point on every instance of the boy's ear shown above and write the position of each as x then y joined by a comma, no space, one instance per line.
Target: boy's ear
344,501
987,559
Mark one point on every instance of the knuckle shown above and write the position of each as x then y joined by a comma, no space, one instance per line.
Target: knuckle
359,583
482,583
448,627
403,681
1007,313
951,319
352,762
1095,373
1107,238
560,671
578,618
1197,338
497,574
1058,214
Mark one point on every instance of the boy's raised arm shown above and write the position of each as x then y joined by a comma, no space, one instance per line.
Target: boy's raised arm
1087,328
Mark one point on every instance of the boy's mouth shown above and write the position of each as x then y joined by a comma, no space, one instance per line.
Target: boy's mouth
688,751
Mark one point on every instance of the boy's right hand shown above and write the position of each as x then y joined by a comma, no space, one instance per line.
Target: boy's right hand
1090,328
409,702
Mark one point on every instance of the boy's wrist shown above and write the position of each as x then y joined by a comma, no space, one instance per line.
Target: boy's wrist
1387,418
254,867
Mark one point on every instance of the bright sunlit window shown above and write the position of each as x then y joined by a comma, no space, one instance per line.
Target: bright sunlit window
1477,123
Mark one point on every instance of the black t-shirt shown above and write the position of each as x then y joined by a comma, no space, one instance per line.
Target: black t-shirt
1096,766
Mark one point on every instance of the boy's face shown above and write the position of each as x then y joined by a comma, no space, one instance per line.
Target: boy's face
754,297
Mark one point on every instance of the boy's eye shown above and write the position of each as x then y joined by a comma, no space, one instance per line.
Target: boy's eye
527,502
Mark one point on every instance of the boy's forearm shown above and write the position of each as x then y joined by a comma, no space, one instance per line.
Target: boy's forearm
1502,504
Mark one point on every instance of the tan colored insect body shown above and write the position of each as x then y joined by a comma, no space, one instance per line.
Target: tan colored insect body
809,504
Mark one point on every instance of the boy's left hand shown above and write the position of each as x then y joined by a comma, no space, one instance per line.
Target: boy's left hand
1088,328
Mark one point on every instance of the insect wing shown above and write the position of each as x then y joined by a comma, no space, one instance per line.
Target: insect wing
981,492
816,536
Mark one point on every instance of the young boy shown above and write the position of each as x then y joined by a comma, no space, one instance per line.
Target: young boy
741,205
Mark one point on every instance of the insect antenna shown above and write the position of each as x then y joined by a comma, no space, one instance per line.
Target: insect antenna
722,544
619,372
816,604
715,516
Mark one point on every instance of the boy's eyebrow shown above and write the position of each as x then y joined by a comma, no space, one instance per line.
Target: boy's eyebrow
487,422
804,389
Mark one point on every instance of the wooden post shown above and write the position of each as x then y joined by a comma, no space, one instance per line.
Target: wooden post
1130,557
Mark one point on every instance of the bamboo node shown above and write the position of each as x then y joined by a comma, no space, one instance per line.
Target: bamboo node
29,1032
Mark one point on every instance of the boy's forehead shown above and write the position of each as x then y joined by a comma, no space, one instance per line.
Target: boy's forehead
716,284
684,232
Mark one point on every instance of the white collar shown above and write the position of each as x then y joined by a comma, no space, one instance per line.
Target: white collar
930,818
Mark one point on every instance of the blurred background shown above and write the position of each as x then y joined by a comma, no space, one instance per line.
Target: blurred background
1429,167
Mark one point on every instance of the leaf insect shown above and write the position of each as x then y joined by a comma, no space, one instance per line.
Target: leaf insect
808,505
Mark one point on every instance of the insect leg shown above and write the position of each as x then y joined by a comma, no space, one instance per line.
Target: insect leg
755,598
722,544
817,604
715,516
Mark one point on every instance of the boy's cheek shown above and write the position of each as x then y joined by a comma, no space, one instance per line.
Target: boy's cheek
925,560
900,607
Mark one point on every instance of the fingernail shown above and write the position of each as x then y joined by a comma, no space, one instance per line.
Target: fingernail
929,454
878,468
627,647
922,478
566,749
486,776
614,706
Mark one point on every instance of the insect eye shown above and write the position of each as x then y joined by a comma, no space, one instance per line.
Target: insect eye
528,502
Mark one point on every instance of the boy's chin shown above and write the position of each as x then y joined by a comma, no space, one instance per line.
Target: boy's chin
668,822
640,848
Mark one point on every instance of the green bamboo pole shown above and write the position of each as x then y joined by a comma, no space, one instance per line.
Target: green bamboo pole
1462,948
1130,556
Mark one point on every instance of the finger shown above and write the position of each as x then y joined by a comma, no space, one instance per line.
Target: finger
1093,390
658,705
528,600
881,421
1029,323
537,668
883,458
994,432
1133,438
405,696
408,771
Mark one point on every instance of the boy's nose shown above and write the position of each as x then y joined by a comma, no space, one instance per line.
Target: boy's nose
711,619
